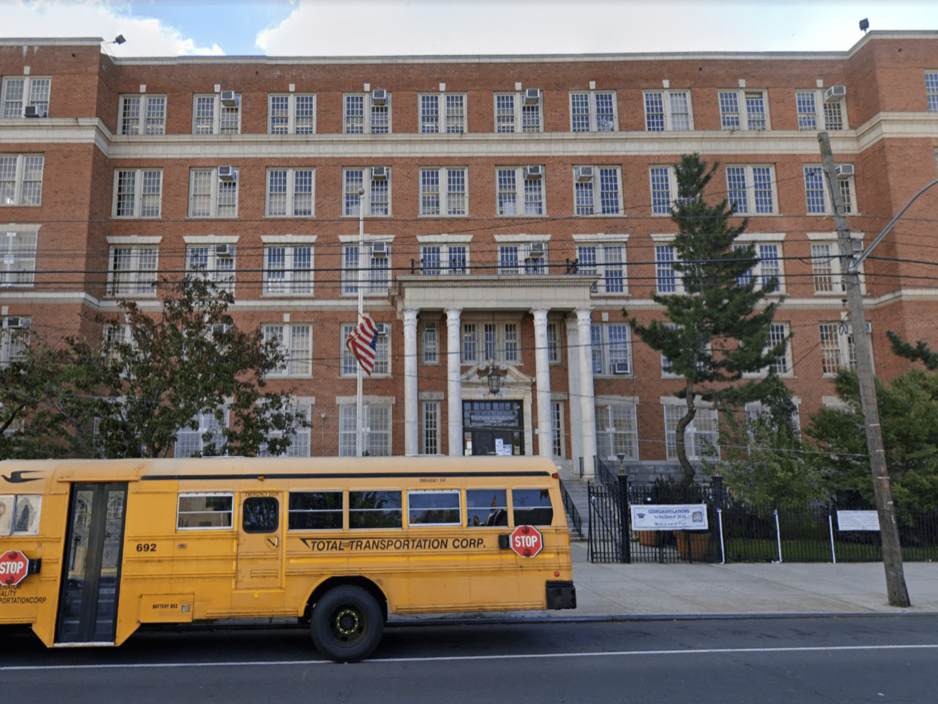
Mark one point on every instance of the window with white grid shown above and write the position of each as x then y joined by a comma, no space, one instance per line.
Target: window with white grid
668,111
485,341
520,191
554,346
296,342
442,259
778,333
443,192
348,365
430,343
617,431
376,430
593,111
931,90
818,195
767,269
290,192
743,110
375,277
751,189
817,114
142,114
18,247
608,261
597,190
430,428
376,182
442,113
291,113
611,349
14,340
528,259
138,193
21,179
663,189
837,348
299,439
21,92
211,195
557,429
698,435
207,432
515,113
827,267
216,263
666,278
288,269
366,114
132,271
212,115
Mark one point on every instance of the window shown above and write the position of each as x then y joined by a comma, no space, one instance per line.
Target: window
290,193
433,507
260,514
830,117
514,112
132,271
593,111
442,259
21,179
616,430
826,267
204,432
315,510
367,114
931,90
666,278
288,269
430,341
668,111
663,189
526,258
296,343
554,354
14,340
530,181
818,195
291,113
24,92
778,332
430,435
497,341
18,248
743,110
211,115
349,365
486,508
443,192
19,515
597,190
532,507
213,193
299,440
837,348
699,435
751,189
142,114
205,511
608,261
442,112
374,509
557,428
376,430
767,270
610,346
137,193
375,276
376,182
215,262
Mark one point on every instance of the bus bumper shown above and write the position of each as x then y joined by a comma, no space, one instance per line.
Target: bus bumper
561,595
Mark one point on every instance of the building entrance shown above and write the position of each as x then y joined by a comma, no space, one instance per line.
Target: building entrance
493,427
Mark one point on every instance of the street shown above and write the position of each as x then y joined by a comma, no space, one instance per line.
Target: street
723,660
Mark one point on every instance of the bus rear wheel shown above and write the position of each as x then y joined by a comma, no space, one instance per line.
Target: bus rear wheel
346,624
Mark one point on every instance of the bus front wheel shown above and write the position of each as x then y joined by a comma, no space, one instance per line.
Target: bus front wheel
347,624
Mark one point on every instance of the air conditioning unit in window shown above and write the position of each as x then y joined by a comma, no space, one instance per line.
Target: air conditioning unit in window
620,368
536,250
379,250
382,329
532,96
379,173
224,251
33,111
227,174
229,99
379,96
834,93
533,171
584,174
844,170
17,323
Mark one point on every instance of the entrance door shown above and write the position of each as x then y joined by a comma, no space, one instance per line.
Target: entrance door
91,575
260,542
492,442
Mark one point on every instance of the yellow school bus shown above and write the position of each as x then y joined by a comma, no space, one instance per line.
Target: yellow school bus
92,549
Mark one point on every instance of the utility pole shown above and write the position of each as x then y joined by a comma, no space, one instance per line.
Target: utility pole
889,530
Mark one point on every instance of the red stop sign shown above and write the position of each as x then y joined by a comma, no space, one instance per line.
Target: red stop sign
13,568
527,541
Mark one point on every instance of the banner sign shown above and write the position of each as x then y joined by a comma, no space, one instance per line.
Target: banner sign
488,419
857,520
670,517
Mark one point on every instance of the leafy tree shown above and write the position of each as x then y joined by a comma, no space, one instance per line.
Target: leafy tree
717,327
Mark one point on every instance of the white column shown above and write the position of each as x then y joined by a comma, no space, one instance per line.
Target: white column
454,380
587,401
545,441
411,403
573,374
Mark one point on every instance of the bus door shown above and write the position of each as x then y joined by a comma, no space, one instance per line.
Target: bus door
260,541
91,573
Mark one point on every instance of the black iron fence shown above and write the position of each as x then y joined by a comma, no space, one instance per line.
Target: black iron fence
570,507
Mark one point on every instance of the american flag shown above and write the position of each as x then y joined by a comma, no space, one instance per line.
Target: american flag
362,342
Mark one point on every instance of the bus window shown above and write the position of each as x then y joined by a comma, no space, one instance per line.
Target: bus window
486,507
315,510
532,507
436,508
260,514
374,509
19,515
205,511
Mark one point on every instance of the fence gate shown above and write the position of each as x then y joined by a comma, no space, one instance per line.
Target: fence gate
608,524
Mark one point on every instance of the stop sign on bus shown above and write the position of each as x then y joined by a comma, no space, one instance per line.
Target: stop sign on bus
527,541
13,568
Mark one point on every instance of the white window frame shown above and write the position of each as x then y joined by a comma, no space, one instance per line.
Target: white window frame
445,122
514,256
222,276
654,171
617,428
290,195
290,280
14,342
759,271
554,344
17,195
829,265
558,429
601,349
839,352
931,90
706,414
665,246
491,339
595,123
18,247
752,204
207,422
348,365
593,196
376,441
431,436
219,124
296,342
301,438
214,196
518,195
376,278
847,186
293,124
447,265
450,203
430,343
370,125
138,194
31,84
744,120
138,278
518,113
603,247
668,114
146,123
350,200
818,118
778,331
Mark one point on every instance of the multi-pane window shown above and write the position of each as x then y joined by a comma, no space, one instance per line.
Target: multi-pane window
931,90
666,278
142,114
213,193
290,192
14,340
213,115
487,341
208,434
837,348
367,113
137,193
22,92
443,192
376,434
442,113
430,343
827,267
597,190
440,259
611,349
132,270
557,428
288,269
296,343
668,110
743,110
554,353
18,249
430,428
519,112
348,365
291,113
751,189
617,431
699,435
215,262
778,333
520,190
830,116
375,276
606,260
593,111
299,447
376,184
21,179
818,195
528,258
663,189
767,269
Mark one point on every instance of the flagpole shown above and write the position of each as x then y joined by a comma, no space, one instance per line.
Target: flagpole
361,312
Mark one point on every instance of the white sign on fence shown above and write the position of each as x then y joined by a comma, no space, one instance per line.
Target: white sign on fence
670,517
857,520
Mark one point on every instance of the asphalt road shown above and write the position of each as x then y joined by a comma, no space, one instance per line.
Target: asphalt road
744,660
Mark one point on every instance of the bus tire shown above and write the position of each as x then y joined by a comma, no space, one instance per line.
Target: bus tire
347,624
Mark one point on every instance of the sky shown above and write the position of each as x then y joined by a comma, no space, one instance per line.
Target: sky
459,27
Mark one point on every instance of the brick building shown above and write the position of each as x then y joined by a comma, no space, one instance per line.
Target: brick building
484,179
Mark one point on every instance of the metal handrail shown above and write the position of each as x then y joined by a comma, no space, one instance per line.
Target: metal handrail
571,509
